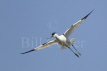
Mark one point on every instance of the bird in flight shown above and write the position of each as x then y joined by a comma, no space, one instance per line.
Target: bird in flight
63,39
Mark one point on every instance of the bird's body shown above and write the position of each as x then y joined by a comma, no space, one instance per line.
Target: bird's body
63,39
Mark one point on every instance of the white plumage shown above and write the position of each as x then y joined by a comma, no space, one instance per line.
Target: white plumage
63,39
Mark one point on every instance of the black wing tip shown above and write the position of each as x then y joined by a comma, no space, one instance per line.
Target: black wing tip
28,51
87,15
24,53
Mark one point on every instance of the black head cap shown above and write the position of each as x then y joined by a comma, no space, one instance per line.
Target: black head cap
53,33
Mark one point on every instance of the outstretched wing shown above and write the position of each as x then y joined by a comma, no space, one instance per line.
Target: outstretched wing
74,26
43,46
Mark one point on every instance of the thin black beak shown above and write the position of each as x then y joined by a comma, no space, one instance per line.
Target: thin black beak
50,37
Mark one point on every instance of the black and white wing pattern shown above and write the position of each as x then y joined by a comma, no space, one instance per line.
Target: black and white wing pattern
75,25
43,46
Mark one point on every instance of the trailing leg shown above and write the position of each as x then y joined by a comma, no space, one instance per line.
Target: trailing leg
73,52
75,49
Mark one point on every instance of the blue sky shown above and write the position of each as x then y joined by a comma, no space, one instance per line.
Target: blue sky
35,20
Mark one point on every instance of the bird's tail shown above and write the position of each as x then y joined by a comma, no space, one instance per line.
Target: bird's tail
72,40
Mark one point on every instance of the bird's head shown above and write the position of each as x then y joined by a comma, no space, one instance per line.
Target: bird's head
54,34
